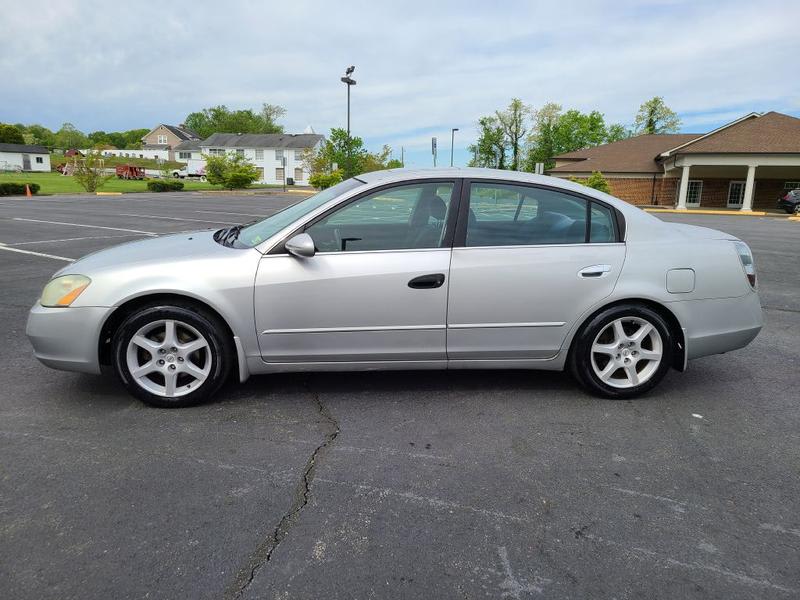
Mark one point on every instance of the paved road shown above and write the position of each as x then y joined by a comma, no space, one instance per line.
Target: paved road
434,485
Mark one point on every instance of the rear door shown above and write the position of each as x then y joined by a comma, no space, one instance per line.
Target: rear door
527,262
376,289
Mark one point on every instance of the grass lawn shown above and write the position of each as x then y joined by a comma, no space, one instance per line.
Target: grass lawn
55,183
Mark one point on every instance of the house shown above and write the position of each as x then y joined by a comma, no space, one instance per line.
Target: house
25,157
743,165
278,156
163,139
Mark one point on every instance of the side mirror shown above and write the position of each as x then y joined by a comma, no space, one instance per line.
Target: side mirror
300,245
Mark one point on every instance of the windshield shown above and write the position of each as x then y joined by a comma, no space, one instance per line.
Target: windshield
255,233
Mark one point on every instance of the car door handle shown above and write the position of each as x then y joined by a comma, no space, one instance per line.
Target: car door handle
427,282
594,271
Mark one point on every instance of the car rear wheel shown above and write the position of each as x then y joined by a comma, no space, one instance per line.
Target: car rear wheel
622,352
172,356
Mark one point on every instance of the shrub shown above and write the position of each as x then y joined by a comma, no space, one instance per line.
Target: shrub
160,185
17,189
232,171
325,180
595,181
90,172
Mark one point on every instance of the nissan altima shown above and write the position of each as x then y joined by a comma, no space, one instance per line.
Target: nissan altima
404,269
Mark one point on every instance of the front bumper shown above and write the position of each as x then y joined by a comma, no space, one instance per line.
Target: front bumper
719,325
67,338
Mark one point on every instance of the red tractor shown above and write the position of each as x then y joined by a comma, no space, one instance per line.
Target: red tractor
129,172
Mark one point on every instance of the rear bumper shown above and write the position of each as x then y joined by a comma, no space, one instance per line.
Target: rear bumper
67,338
719,325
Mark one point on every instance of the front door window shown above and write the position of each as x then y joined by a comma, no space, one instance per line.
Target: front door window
399,218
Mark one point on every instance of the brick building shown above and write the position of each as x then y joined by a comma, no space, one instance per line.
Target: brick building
743,165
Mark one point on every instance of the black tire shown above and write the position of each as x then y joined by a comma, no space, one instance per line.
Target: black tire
220,352
580,357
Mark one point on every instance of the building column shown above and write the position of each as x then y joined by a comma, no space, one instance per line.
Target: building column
749,186
684,189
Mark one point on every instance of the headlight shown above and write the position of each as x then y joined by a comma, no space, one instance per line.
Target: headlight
62,291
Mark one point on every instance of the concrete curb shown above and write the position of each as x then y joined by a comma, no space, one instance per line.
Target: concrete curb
730,213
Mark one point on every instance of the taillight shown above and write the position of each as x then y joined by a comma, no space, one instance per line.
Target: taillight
746,256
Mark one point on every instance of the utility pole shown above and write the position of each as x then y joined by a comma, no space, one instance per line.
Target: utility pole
348,81
402,156
433,150
452,141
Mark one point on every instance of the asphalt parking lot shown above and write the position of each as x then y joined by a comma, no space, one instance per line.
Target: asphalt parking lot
392,485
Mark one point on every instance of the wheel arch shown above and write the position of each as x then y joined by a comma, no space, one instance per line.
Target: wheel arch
132,304
679,358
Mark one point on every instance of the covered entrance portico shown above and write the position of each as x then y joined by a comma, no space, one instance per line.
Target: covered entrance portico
732,181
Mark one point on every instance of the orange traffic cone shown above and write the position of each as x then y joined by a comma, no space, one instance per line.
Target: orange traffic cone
28,191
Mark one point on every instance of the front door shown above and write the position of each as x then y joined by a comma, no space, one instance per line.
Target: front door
736,194
527,262
376,289
26,162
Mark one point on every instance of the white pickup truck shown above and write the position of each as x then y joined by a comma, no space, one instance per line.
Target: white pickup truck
183,173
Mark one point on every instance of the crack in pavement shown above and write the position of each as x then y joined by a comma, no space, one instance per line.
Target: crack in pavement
263,553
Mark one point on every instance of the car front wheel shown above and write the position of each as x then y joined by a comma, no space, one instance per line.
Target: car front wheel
622,352
172,356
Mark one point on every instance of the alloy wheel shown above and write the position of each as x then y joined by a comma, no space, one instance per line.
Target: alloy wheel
627,352
168,358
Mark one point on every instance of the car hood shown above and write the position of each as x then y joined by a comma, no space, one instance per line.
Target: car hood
189,246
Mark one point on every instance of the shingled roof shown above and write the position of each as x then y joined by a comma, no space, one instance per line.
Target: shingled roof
262,140
632,155
770,133
26,148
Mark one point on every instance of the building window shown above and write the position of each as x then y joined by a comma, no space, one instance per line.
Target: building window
239,152
298,155
279,173
278,154
792,185
39,160
694,192
298,174
184,155
259,154
162,139
216,152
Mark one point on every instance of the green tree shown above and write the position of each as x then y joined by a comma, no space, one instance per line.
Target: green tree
346,152
512,121
595,181
38,134
90,172
655,116
10,134
232,171
490,148
394,163
555,132
70,137
221,119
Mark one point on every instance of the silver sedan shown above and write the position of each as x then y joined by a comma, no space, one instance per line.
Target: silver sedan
402,269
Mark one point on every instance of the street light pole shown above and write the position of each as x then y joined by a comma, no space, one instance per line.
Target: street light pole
452,141
348,81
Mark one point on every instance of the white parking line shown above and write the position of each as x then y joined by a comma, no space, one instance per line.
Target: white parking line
42,254
83,225
93,237
173,218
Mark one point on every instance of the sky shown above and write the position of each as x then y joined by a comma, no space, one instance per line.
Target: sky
422,68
